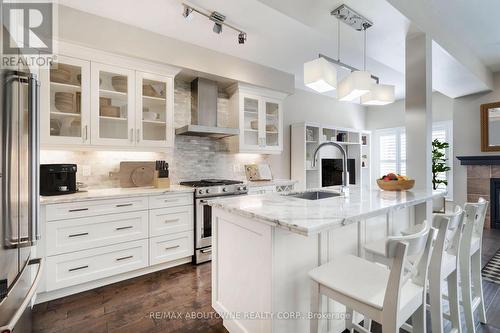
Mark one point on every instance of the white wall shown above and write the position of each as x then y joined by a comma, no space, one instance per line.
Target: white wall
467,134
393,115
306,106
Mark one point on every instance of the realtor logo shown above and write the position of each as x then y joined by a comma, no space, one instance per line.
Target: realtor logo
27,28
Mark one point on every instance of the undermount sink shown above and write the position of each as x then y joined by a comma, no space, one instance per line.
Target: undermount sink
314,195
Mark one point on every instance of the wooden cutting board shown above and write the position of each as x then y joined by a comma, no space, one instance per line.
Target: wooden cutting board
142,173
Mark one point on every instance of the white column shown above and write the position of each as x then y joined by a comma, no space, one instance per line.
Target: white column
418,108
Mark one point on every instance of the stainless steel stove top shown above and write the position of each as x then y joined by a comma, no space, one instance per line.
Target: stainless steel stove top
216,187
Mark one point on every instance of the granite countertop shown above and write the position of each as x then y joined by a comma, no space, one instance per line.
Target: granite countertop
274,182
309,217
108,193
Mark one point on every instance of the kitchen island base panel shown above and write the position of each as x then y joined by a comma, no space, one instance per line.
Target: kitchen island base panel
260,279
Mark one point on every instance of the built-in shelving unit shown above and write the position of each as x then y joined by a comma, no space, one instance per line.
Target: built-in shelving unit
305,139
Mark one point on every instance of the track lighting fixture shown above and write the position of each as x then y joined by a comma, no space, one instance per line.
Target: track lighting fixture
242,37
217,18
187,13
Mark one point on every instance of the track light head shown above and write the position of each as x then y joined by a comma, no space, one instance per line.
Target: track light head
187,13
242,37
217,28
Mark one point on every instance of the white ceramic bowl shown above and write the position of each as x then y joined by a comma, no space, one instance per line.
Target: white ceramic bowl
150,115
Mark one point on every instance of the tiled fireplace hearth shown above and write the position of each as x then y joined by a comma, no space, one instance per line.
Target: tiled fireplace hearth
483,180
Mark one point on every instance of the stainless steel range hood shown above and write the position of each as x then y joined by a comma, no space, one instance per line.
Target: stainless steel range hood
204,95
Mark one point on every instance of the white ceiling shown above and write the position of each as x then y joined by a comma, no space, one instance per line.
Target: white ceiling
284,34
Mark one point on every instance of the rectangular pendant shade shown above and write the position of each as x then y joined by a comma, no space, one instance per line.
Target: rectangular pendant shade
320,75
380,94
354,86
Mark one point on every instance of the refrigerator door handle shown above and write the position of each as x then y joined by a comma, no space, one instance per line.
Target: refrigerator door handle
34,103
29,295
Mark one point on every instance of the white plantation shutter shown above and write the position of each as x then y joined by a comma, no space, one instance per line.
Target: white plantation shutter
388,153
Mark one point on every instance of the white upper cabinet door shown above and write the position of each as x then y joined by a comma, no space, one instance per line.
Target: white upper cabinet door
272,129
250,122
65,100
113,105
154,110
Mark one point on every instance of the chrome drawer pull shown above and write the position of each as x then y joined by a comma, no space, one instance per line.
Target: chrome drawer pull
206,251
78,235
170,200
172,247
124,258
77,268
123,228
78,210
171,220
124,205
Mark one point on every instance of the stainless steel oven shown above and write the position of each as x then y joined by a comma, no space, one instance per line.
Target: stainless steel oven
205,190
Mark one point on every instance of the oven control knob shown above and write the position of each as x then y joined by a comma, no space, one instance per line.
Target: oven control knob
239,188
244,188
200,191
224,189
207,191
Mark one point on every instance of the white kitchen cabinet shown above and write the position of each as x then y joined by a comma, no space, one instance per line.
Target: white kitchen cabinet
100,100
113,105
258,113
154,110
65,102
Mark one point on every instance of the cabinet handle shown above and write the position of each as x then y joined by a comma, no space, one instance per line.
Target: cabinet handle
172,247
123,228
138,135
171,220
132,135
124,258
77,210
124,205
170,200
86,133
77,268
78,235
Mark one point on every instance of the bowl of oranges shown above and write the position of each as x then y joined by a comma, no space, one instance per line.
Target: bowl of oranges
395,182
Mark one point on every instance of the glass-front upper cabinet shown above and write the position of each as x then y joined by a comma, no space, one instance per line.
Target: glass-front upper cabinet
273,131
65,100
154,117
251,122
113,97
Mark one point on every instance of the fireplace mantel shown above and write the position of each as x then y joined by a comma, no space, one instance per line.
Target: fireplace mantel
480,160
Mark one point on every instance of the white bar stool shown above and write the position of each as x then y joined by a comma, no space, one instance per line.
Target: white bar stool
389,296
443,267
470,263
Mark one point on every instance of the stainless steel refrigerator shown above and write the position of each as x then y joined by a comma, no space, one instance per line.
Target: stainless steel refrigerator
20,272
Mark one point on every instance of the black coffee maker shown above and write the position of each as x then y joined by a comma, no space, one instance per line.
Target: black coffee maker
57,179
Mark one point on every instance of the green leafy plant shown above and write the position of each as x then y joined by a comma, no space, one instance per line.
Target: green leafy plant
439,162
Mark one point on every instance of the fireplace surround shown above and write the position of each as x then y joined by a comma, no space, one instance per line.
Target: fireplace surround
483,180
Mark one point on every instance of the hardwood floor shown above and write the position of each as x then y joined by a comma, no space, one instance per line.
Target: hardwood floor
143,304
137,305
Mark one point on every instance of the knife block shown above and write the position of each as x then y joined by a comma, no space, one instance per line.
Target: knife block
161,182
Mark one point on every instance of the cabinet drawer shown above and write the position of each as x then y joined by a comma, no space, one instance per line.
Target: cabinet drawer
65,236
79,267
97,207
170,200
164,221
171,247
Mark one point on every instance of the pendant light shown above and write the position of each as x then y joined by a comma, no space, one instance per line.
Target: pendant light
356,84
380,94
320,75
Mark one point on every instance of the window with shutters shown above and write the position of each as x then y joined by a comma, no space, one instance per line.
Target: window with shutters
392,150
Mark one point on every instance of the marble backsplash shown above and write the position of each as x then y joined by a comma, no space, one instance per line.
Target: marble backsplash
191,158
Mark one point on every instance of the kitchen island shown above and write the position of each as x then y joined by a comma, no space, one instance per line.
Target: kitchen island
265,245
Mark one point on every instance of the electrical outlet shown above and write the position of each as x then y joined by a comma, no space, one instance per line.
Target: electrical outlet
85,169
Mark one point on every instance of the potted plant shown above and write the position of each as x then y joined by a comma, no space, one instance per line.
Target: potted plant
439,165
